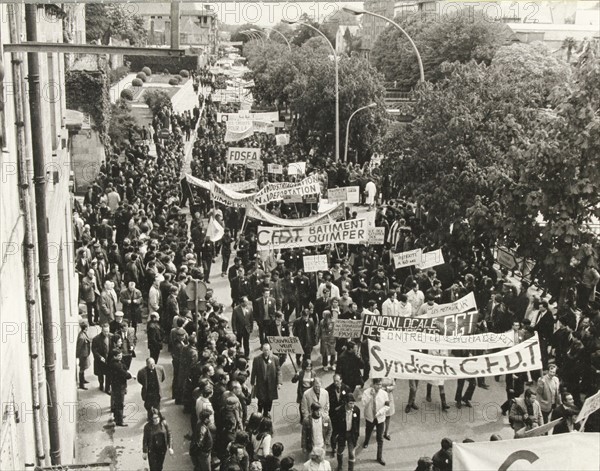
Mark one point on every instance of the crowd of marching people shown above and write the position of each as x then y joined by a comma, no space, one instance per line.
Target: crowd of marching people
138,250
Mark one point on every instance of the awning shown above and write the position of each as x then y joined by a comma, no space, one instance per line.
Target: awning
76,120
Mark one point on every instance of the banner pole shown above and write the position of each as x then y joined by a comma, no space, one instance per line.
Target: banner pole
293,364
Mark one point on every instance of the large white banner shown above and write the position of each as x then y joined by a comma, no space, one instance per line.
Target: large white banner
394,361
241,129
345,194
353,231
424,340
270,192
246,115
407,259
564,452
254,212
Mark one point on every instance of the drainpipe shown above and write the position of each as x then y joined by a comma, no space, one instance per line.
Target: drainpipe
39,178
28,244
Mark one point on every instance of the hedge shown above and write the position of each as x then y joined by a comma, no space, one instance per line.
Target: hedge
173,81
142,76
136,82
179,78
89,92
147,71
137,63
184,73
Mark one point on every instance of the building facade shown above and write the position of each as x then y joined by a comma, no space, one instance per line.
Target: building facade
198,26
18,430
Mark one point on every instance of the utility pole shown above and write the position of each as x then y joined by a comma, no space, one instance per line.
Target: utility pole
175,12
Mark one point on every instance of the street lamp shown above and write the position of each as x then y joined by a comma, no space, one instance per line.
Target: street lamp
252,36
371,105
357,12
337,85
279,33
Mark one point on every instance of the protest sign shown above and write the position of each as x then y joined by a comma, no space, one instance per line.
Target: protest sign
275,169
463,323
255,212
282,140
567,452
347,328
389,361
277,191
313,263
242,155
423,340
376,235
197,182
407,259
538,431
297,168
241,129
346,194
293,199
285,345
431,259
349,232
591,405
466,303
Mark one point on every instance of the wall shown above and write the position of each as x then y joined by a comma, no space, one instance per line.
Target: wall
15,380
87,155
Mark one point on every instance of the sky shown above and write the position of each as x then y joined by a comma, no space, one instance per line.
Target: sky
269,13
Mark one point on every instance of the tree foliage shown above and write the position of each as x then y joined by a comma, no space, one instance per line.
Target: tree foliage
121,122
459,37
156,100
103,21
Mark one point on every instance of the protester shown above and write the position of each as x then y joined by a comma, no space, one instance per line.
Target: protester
156,440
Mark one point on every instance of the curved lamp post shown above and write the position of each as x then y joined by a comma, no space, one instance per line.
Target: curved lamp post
371,105
356,11
337,85
279,33
252,35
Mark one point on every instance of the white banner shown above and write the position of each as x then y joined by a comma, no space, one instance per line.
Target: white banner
243,155
346,194
297,168
241,186
197,181
285,345
282,140
314,263
564,452
376,236
591,405
348,232
241,129
407,259
423,340
254,212
246,115
393,361
275,169
431,259
464,304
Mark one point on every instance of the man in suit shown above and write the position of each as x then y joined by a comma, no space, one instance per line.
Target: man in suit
106,304
264,311
131,299
278,328
344,283
316,394
150,378
338,395
83,350
100,349
266,379
242,324
119,376
346,429
304,329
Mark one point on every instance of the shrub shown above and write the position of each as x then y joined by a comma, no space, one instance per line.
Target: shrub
184,73
166,71
173,81
136,82
142,76
114,75
147,71
156,99
179,78
127,94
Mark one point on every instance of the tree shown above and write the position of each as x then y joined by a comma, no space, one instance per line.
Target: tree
239,33
454,155
121,122
156,100
104,21
459,37
558,177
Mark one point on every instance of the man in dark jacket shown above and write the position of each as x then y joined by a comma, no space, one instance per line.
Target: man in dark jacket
304,329
349,365
242,324
278,328
338,397
266,379
119,377
346,429
154,335
264,311
150,378
100,350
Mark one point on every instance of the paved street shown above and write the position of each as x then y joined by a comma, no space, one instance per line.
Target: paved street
413,435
